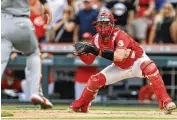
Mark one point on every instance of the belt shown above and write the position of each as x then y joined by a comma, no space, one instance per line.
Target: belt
26,16
11,15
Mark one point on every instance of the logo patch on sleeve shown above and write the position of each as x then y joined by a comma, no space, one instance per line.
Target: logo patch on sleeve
121,43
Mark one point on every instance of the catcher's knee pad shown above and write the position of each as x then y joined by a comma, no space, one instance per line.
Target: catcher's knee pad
96,81
149,69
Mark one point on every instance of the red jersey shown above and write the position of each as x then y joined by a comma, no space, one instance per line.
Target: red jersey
143,6
16,85
39,24
120,40
83,73
50,79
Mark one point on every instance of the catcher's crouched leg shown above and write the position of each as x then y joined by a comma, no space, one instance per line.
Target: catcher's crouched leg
90,91
150,71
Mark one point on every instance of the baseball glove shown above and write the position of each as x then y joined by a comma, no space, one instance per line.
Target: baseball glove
81,47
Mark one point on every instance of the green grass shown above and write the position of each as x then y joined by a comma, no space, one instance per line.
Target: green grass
6,114
116,118
64,107
121,118
106,108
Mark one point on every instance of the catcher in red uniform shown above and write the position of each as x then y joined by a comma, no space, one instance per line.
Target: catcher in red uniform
129,60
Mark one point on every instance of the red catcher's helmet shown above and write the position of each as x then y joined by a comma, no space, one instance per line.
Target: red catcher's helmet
105,24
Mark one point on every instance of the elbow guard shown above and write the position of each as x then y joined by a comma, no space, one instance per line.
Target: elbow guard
43,1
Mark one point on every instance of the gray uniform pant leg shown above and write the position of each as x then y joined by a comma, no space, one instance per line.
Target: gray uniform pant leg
6,49
20,32
33,73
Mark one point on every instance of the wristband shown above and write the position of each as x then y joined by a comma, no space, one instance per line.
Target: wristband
108,54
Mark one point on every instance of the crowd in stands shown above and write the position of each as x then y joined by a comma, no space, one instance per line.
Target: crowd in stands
147,21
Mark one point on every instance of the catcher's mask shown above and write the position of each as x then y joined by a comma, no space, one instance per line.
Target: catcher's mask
104,24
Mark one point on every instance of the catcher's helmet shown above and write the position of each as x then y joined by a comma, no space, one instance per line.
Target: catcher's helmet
104,23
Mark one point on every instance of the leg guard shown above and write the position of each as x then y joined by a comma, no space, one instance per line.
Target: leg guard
96,82
93,85
150,71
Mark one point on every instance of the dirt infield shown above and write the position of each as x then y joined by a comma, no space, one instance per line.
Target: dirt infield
93,114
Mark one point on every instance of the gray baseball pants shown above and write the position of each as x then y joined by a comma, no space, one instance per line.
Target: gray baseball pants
18,32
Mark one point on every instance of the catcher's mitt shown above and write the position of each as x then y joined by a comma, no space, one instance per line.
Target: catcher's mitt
82,47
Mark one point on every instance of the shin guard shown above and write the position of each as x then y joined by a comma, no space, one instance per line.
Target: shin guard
150,71
90,91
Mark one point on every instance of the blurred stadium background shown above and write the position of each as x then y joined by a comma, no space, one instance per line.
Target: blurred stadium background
59,66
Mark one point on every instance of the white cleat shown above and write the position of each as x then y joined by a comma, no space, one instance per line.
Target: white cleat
41,100
169,108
